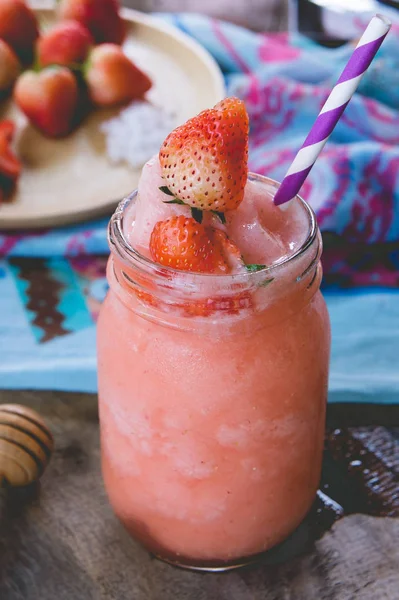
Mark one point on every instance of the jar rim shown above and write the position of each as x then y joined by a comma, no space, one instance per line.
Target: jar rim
119,244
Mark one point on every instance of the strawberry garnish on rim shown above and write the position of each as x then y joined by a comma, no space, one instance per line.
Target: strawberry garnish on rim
205,161
184,244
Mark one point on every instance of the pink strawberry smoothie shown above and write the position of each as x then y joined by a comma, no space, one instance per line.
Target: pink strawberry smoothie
212,388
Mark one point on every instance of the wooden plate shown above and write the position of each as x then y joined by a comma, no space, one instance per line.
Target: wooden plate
69,180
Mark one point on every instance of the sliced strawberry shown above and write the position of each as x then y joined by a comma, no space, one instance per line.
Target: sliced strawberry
205,161
9,164
10,167
7,129
182,243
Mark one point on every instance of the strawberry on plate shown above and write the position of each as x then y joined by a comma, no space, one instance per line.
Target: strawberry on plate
100,17
9,67
68,44
112,78
10,166
205,161
18,27
49,99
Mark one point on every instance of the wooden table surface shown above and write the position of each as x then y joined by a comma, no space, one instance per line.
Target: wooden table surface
61,541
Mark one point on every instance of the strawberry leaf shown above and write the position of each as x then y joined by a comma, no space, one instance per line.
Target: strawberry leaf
254,268
221,216
197,214
167,191
174,201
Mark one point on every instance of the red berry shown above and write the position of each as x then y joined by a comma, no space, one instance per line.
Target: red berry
49,99
112,78
182,243
18,27
10,167
68,43
9,67
205,161
100,17
7,129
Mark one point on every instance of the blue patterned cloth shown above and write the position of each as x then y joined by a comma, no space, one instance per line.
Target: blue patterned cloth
52,282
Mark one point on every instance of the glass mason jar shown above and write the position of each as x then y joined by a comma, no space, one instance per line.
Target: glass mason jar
212,395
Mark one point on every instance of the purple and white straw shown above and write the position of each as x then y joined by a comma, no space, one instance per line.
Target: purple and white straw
333,108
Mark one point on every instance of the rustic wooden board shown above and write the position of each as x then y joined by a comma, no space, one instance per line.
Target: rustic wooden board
60,539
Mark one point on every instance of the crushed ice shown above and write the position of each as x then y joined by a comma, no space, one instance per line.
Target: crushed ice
137,133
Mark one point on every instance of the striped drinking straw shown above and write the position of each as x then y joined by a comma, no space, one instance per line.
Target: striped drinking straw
333,108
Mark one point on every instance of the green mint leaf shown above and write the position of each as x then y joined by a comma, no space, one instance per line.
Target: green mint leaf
166,190
174,201
197,214
255,268
221,216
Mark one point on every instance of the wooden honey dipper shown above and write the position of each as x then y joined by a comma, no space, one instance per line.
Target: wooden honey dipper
26,445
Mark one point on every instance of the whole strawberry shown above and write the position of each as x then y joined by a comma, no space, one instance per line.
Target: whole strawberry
100,17
68,44
112,78
49,99
182,243
9,68
18,27
205,161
